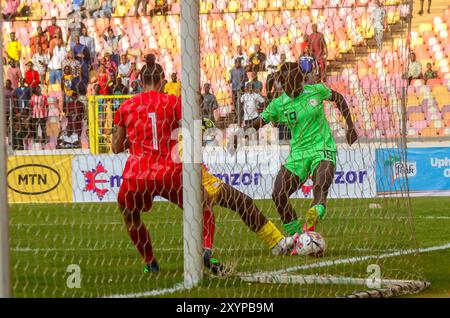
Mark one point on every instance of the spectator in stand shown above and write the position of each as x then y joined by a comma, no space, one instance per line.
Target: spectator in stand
257,60
74,26
74,112
378,13
54,117
57,57
124,69
429,73
32,78
53,29
118,88
251,101
308,65
421,7
135,88
173,87
133,74
319,50
54,41
82,55
161,8
137,3
13,48
109,64
112,44
75,66
67,85
77,5
238,78
92,6
39,105
209,103
414,69
257,85
22,95
41,60
273,61
10,12
304,44
22,131
8,99
241,55
103,79
89,42
106,10
40,39
13,73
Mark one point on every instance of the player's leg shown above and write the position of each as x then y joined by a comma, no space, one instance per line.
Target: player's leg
286,183
132,202
241,203
429,6
323,174
421,7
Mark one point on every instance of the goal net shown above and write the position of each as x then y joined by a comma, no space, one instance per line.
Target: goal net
68,237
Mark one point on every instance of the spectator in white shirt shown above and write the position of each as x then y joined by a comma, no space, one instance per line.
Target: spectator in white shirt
378,15
55,65
124,69
414,69
41,60
251,101
272,63
241,55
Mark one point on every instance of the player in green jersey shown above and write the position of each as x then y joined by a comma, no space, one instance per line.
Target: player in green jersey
313,151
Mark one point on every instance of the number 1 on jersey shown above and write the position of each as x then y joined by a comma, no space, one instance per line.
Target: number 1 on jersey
152,117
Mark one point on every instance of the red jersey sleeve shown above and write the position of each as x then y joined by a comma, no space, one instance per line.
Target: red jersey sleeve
178,111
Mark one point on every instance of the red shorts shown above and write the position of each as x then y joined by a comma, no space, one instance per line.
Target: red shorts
138,194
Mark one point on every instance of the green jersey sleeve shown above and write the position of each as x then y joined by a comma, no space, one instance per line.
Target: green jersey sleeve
324,91
272,112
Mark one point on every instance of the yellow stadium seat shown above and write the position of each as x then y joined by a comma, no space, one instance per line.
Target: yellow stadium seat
233,6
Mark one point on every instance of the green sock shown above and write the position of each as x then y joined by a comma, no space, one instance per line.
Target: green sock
293,227
320,208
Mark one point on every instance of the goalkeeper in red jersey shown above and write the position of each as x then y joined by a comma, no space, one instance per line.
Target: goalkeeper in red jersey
144,124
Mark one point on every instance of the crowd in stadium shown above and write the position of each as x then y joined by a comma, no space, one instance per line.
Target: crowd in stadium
47,98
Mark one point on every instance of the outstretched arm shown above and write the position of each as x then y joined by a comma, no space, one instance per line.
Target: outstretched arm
351,134
255,123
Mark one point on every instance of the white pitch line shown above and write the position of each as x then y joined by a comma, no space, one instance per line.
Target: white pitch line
156,292
355,259
180,287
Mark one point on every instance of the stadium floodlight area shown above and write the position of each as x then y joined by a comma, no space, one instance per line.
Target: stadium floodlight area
66,233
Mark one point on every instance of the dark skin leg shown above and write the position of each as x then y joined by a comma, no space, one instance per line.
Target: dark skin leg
322,179
285,185
235,200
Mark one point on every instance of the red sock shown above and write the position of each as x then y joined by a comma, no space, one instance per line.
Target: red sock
208,228
141,239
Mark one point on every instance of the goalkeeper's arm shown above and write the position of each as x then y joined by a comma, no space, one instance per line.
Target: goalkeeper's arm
255,123
120,141
351,134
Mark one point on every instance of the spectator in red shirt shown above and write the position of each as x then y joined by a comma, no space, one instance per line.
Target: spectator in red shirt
31,76
53,29
319,50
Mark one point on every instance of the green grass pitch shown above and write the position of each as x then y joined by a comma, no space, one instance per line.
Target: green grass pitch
47,238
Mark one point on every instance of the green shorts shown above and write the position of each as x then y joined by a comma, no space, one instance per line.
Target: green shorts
304,163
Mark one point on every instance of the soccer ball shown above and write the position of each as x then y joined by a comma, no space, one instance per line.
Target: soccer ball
310,243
